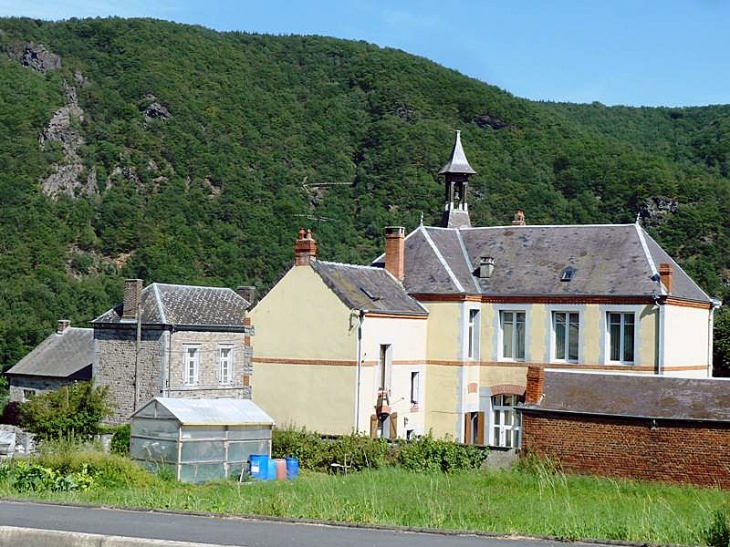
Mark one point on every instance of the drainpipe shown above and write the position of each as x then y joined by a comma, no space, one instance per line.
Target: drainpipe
710,339
137,346
661,320
360,320
169,361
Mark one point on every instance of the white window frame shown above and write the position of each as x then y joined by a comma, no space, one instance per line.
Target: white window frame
623,312
225,379
499,438
553,334
384,370
191,379
473,327
500,330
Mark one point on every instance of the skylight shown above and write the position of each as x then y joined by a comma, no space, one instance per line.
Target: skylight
567,274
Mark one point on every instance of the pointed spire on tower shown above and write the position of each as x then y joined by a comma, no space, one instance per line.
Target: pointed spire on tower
456,176
457,164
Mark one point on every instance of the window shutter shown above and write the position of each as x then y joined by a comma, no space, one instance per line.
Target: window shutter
480,428
373,426
393,426
467,428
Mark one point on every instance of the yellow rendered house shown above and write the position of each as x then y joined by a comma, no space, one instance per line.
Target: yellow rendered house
437,333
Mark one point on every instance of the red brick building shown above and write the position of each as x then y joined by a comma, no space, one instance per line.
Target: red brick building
650,428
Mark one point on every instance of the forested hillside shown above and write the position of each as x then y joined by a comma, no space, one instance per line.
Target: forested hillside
140,148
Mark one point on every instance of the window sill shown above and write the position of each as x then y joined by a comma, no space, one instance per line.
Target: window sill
414,407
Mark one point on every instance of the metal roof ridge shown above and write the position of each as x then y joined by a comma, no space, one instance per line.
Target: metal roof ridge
445,264
363,266
189,286
647,254
519,227
466,259
160,305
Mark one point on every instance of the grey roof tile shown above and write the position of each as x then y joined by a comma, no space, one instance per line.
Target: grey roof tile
66,355
367,288
185,305
632,395
609,260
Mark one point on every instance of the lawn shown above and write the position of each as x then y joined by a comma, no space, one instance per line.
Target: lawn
509,502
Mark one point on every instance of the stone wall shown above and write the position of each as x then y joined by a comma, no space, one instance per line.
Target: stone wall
637,448
37,384
209,384
115,367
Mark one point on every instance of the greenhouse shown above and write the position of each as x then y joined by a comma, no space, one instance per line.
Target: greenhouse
199,439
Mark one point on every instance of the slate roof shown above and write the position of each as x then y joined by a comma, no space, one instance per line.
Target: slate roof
185,305
631,395
68,355
367,288
457,164
609,260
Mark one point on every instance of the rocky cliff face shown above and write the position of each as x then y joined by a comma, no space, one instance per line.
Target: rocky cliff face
67,176
34,56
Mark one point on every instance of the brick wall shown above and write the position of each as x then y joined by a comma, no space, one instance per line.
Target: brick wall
672,451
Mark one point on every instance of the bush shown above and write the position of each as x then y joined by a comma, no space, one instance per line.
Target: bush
120,440
28,475
308,447
11,413
361,452
717,533
109,470
428,454
72,410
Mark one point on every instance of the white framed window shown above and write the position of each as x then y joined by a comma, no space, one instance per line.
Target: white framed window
384,367
415,387
512,332
192,364
621,336
566,336
225,364
506,421
472,350
28,394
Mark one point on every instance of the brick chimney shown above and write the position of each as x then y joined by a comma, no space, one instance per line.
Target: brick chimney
132,295
535,385
62,325
519,219
247,292
395,251
305,248
666,273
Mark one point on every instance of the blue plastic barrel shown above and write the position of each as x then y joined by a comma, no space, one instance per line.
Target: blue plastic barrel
258,465
292,468
271,474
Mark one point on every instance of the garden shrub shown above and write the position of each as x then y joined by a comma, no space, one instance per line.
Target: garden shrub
356,452
717,533
29,475
11,413
75,410
360,452
120,440
428,454
110,470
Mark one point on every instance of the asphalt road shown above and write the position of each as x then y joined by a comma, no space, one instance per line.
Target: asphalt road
232,531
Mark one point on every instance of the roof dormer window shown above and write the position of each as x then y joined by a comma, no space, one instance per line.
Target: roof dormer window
567,274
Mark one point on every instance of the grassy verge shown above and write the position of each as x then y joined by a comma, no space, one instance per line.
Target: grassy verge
511,502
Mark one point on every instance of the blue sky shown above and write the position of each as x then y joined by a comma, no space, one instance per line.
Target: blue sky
635,52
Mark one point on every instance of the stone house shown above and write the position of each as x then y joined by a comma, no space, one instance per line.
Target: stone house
173,341
650,428
66,356
492,301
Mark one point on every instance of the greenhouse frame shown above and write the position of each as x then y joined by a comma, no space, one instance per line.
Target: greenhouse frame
199,440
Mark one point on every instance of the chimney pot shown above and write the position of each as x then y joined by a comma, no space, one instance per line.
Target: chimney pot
305,248
132,295
395,251
519,219
666,273
247,292
62,325
535,385
486,267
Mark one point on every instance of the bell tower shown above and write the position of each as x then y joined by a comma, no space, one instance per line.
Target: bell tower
456,174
